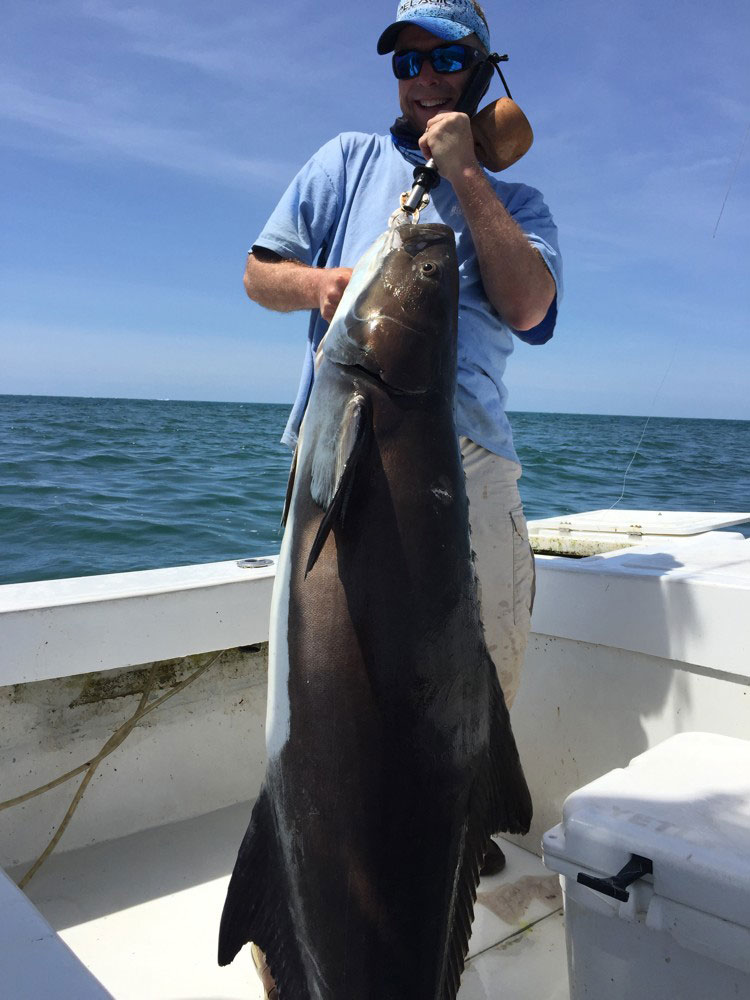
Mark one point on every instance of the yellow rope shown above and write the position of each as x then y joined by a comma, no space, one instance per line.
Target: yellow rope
114,741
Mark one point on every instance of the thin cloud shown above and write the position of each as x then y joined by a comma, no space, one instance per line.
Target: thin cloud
156,33
245,47
91,130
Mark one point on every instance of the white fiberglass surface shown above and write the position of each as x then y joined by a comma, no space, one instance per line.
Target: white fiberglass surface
143,914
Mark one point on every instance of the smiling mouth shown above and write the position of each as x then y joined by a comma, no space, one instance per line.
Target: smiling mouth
429,104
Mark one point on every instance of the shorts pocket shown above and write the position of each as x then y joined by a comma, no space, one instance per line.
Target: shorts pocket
524,572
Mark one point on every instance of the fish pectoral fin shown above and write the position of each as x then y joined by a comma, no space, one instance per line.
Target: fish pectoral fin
337,469
337,442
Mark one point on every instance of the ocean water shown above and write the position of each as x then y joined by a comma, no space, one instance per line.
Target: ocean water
108,485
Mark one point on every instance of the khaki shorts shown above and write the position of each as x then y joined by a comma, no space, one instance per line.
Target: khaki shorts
503,558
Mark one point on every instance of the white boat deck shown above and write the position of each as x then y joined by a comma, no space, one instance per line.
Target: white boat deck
142,914
627,648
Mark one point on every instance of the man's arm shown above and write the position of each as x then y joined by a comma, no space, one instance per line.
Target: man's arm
515,277
286,285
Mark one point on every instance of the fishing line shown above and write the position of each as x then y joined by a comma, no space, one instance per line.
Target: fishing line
648,420
731,179
677,338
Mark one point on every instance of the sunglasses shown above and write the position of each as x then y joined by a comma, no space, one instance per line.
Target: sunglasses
444,59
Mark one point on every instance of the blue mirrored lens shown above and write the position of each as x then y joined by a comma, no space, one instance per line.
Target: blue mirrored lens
449,59
407,65
445,59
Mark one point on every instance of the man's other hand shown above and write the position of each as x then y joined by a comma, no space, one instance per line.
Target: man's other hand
287,284
333,283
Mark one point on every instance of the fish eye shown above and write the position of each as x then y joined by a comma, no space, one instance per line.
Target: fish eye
429,268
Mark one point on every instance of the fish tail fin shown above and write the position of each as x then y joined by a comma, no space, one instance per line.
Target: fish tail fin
255,908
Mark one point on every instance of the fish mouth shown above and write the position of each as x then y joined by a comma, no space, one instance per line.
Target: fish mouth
376,379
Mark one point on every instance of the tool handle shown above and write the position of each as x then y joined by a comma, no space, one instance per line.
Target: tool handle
425,179
478,82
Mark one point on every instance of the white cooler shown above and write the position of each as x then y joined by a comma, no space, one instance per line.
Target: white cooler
682,932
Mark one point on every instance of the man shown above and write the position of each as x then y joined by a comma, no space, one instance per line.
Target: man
509,269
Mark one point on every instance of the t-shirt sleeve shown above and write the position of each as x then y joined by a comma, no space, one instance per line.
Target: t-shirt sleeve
306,215
527,207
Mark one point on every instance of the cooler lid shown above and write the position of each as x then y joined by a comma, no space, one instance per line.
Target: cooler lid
644,522
685,805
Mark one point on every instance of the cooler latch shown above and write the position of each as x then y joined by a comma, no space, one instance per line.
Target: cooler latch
616,885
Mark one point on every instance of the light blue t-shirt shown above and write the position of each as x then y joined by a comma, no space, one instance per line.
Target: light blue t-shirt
336,207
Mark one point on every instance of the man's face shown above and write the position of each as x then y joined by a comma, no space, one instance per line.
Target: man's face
429,93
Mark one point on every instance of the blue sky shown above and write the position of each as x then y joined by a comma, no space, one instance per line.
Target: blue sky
144,145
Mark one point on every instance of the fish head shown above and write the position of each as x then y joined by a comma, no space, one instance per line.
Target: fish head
400,325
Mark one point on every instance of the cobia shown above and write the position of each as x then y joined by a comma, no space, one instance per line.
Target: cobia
391,757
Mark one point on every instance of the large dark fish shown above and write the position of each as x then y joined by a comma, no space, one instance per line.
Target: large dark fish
391,757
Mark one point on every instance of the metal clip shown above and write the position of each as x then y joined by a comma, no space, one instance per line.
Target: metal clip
401,216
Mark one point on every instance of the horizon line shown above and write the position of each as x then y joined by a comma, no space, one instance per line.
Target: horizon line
247,402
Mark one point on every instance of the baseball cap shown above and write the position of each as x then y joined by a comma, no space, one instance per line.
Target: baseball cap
448,19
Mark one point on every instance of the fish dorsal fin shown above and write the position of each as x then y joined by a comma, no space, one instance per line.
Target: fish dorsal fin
499,802
334,468
290,487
